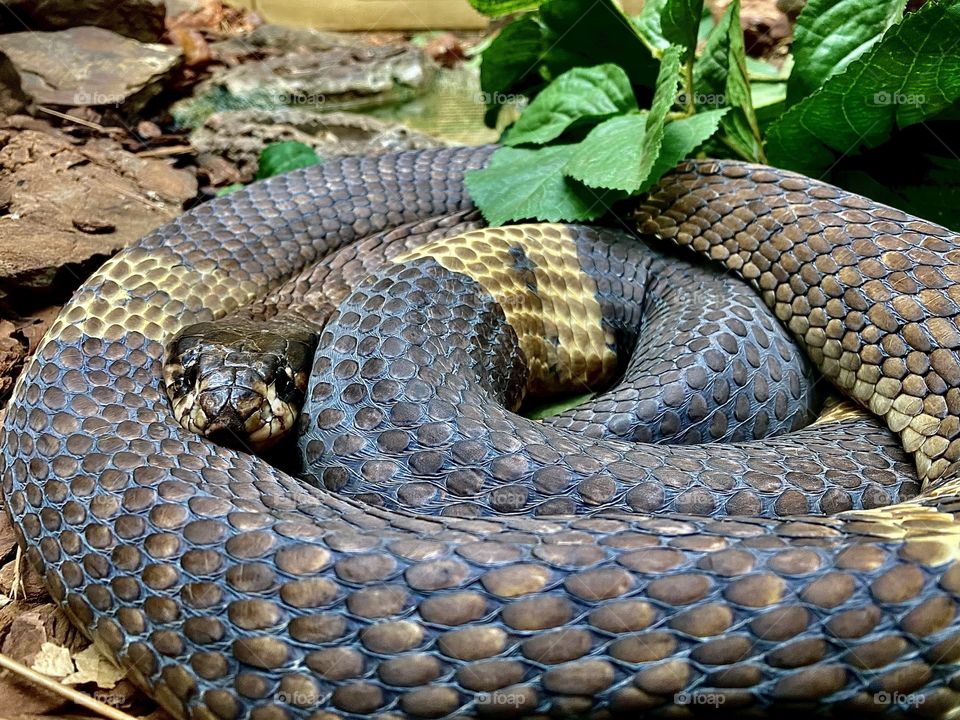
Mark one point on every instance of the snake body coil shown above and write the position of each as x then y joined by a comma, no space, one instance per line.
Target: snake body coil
230,590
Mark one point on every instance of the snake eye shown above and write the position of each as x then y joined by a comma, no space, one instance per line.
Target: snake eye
284,384
187,379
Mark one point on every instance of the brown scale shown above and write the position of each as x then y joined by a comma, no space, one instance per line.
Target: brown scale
870,291
108,494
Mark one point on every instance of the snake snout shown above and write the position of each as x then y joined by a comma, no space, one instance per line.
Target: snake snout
229,408
238,382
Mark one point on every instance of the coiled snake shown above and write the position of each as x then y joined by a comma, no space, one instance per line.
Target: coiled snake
230,590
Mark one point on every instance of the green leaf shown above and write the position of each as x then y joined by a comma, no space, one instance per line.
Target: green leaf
710,69
282,157
766,71
581,95
910,75
539,409
524,183
607,156
227,189
663,98
720,78
706,25
495,8
680,138
511,60
647,23
619,153
830,34
590,33
769,101
599,160
680,24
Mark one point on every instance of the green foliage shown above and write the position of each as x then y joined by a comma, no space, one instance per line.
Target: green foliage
539,409
720,78
527,183
910,75
579,96
611,39
502,7
606,119
830,34
598,160
539,47
227,189
282,157
510,62
277,158
648,25
680,24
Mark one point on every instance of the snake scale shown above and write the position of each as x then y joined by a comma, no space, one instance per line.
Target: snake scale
230,590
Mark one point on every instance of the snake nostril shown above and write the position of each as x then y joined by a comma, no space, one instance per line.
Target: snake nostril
213,402
246,402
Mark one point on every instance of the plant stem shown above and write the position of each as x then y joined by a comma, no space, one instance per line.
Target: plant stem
691,106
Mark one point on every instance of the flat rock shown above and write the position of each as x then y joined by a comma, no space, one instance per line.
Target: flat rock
308,70
139,19
240,135
64,208
12,97
88,66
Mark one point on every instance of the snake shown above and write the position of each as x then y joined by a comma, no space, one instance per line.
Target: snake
445,557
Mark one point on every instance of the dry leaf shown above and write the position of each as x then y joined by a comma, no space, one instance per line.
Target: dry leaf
53,660
94,667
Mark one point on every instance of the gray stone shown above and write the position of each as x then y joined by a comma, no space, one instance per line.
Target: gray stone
308,69
88,66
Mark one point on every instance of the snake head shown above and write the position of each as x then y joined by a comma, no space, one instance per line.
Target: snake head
239,382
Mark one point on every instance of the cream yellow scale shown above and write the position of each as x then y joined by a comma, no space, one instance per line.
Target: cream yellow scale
559,326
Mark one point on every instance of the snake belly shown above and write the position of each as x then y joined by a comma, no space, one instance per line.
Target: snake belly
230,590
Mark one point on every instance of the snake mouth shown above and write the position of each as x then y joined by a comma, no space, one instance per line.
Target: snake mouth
244,415
242,386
